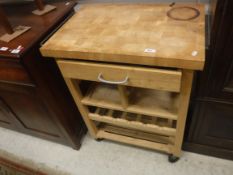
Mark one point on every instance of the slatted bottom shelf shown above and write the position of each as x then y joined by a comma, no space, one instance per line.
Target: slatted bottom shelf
136,138
135,121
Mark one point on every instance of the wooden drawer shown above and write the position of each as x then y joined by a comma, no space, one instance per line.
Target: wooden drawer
12,71
160,79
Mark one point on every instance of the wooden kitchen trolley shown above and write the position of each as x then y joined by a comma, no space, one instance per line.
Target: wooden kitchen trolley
129,68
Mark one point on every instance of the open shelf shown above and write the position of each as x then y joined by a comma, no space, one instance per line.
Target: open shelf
103,95
134,121
134,137
153,102
141,101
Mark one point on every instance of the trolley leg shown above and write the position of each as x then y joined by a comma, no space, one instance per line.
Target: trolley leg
99,139
172,158
186,85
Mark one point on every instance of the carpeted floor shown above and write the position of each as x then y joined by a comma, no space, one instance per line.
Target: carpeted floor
103,158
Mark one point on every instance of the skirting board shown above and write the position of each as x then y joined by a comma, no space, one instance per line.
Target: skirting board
22,162
19,30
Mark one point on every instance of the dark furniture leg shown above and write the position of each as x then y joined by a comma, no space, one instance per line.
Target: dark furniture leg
42,9
6,24
39,4
10,32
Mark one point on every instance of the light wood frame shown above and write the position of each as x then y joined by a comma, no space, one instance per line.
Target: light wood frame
168,140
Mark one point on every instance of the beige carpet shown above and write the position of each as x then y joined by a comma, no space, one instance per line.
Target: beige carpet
103,158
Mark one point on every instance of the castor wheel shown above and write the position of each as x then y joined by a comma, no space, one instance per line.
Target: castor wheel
172,158
99,139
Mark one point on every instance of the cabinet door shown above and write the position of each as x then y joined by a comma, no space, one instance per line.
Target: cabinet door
209,127
214,125
7,119
218,74
30,111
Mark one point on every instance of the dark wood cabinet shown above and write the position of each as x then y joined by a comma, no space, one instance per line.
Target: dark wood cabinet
30,110
33,96
216,125
7,118
210,122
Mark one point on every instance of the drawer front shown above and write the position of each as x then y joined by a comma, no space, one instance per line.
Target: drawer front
13,71
153,78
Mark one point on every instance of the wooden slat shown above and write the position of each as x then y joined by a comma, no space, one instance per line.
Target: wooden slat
137,134
152,112
133,141
154,120
102,104
144,111
123,95
110,112
133,125
97,110
139,117
170,122
123,116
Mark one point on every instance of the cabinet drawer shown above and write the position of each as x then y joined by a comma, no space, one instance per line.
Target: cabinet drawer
153,78
13,71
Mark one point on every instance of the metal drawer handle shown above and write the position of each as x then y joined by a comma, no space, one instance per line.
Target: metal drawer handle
101,79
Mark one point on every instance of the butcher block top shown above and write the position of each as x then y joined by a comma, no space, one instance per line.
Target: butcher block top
131,33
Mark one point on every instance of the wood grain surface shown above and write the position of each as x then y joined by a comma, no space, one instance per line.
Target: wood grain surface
122,32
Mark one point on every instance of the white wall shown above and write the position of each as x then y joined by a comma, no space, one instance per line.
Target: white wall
164,1
147,1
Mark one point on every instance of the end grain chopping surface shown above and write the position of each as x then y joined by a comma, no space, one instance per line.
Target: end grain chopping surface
131,33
